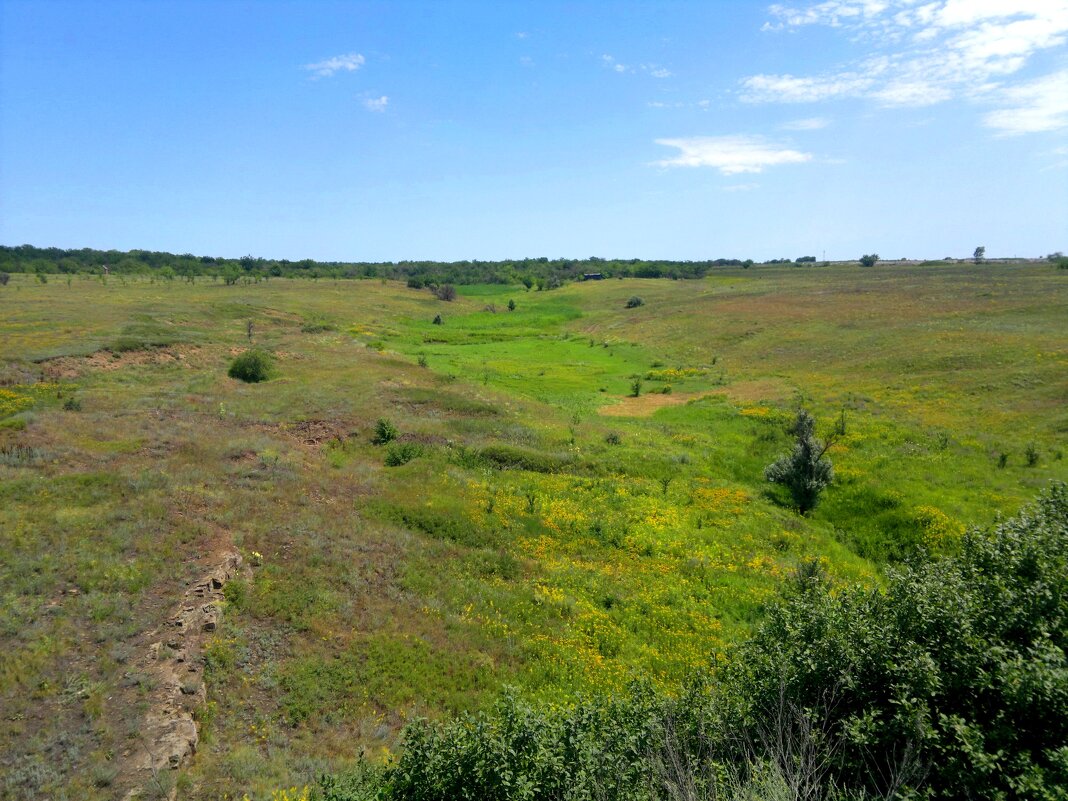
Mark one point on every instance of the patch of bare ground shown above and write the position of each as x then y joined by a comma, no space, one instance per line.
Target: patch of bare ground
68,367
646,405
765,390
173,662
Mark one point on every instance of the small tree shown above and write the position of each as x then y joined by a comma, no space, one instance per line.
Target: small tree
511,305
634,302
806,471
979,254
869,259
385,431
445,292
4,278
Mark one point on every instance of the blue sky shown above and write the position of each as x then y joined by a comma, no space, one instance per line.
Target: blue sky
452,130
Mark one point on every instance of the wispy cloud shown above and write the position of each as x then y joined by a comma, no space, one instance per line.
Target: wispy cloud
924,53
790,89
730,155
346,63
377,104
807,124
1040,105
654,70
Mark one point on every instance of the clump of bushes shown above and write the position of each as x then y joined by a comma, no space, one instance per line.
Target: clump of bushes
4,278
385,431
445,292
634,302
507,457
401,453
252,366
317,325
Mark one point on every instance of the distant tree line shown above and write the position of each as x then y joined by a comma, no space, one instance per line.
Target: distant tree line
540,273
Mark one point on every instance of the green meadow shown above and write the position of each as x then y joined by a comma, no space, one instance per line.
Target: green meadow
574,499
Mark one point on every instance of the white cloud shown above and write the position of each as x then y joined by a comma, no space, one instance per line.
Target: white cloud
789,89
346,63
730,155
924,52
807,124
1040,105
740,187
376,103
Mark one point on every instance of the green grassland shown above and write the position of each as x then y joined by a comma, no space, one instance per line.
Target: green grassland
544,530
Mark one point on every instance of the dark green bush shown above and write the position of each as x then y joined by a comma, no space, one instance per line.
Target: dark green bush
401,453
507,457
252,366
634,302
385,431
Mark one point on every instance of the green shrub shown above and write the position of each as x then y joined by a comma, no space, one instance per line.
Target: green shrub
385,431
252,366
634,302
806,471
507,457
401,453
317,325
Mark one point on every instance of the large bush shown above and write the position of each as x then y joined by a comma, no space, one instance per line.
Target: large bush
252,366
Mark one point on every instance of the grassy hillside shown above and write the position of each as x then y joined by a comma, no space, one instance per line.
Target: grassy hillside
541,528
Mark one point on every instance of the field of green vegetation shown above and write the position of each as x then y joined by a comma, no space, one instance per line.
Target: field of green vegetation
572,497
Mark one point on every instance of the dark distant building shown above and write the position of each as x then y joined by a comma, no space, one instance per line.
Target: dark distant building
592,276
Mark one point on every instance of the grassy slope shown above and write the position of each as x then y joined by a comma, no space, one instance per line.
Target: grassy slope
387,592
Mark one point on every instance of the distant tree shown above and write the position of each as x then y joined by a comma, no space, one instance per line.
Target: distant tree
636,387
445,292
511,305
438,320
869,259
806,471
805,259
979,255
634,302
4,278
231,274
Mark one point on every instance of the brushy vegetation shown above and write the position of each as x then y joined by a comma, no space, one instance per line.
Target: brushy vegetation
952,682
252,366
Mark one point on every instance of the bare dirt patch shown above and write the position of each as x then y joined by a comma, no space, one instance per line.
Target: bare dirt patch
67,367
174,663
765,390
646,405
